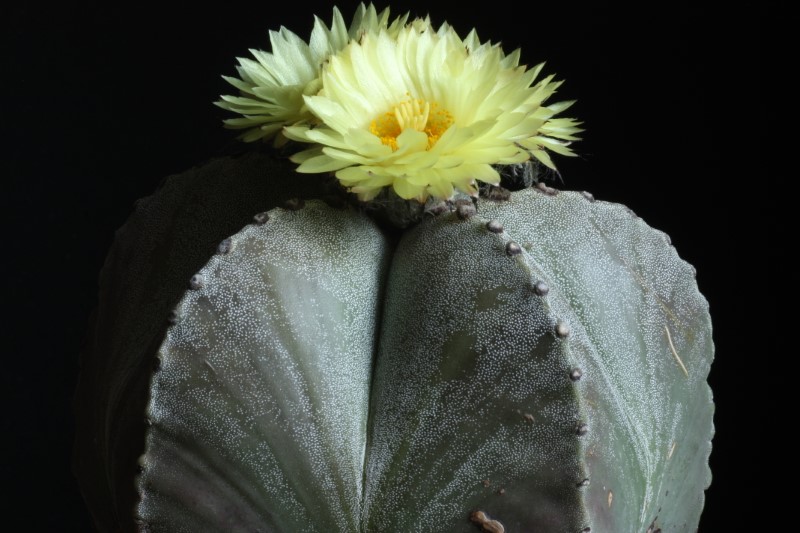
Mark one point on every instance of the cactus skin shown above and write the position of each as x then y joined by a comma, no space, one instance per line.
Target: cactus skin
629,301
472,405
169,237
261,397
534,383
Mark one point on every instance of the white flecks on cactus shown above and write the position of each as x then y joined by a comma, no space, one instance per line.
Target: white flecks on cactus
560,385
548,369
466,351
629,301
261,399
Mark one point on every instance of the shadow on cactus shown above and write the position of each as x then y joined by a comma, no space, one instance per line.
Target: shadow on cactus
433,340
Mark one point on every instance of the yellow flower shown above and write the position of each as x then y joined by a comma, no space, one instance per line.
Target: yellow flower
426,113
272,87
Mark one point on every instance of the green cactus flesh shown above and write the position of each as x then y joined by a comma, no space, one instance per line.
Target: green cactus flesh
640,336
259,410
537,366
169,237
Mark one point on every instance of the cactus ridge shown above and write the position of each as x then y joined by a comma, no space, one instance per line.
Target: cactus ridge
168,238
489,398
609,269
239,417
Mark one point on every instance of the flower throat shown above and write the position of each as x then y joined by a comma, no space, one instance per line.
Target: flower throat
417,114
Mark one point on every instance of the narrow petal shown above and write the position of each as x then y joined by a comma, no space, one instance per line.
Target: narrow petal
322,163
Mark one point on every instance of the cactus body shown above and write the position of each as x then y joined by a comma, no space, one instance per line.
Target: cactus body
537,366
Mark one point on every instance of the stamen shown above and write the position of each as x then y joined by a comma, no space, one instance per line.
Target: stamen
416,114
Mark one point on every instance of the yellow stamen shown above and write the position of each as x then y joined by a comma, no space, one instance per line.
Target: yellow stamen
417,114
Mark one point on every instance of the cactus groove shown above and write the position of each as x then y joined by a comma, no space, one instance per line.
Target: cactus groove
465,351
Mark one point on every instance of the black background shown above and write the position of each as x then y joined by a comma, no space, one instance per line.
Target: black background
100,103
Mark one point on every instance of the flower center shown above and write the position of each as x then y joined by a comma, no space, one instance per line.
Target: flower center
415,113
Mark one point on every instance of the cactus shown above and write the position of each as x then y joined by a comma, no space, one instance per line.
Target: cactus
541,361
268,357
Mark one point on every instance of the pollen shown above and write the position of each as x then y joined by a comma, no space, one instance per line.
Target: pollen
415,113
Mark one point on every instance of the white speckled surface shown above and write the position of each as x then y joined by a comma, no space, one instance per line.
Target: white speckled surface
263,418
